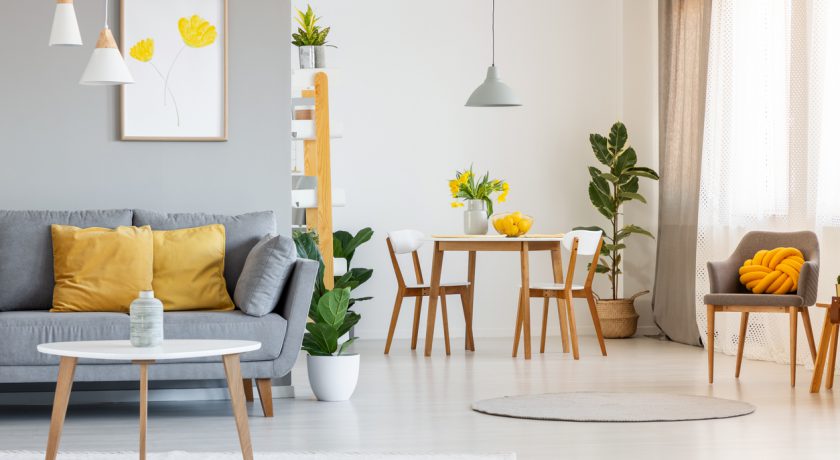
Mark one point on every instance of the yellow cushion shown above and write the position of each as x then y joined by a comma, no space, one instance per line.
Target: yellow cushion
100,269
189,269
772,272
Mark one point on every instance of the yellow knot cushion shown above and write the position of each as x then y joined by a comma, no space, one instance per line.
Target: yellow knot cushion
772,272
100,269
189,269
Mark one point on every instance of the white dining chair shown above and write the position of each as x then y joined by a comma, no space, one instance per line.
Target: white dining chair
584,243
409,241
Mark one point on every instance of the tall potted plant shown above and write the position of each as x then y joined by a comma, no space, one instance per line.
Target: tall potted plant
609,190
310,39
333,372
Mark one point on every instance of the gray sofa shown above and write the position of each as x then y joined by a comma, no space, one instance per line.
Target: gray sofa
26,286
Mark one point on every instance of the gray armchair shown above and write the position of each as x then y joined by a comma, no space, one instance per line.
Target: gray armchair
727,294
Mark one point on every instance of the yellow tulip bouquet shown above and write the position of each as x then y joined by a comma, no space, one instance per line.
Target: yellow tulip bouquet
465,186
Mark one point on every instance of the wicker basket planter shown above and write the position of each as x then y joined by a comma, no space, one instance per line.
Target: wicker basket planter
618,317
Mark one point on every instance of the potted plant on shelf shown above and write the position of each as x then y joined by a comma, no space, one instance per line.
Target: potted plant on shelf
477,194
333,373
608,191
310,40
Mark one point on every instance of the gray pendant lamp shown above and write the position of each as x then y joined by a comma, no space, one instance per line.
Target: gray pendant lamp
493,93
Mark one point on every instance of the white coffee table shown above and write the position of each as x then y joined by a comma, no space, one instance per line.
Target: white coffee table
121,350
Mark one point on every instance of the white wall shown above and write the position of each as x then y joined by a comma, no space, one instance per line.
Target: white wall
405,70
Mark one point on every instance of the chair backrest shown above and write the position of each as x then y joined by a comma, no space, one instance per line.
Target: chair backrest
585,243
405,241
755,241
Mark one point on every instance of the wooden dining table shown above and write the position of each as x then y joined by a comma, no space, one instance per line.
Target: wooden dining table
524,245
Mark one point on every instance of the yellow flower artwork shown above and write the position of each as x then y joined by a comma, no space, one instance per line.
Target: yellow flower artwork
196,31
143,50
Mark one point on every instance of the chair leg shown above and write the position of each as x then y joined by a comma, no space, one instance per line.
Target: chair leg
544,324
596,320
832,358
570,307
564,322
445,316
517,329
793,329
742,335
469,344
394,316
710,340
809,333
418,307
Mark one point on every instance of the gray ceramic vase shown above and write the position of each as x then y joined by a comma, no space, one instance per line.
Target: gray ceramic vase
146,320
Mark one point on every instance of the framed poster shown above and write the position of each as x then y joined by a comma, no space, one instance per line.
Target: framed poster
176,50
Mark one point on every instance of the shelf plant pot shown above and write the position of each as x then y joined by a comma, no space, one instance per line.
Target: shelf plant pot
618,316
306,56
333,378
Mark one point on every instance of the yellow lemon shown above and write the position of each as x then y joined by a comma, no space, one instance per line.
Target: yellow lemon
517,216
525,225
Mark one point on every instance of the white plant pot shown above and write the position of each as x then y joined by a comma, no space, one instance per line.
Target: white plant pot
333,378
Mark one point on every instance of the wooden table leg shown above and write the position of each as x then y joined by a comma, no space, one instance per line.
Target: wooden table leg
525,299
822,353
144,404
66,370
434,292
471,300
832,357
237,401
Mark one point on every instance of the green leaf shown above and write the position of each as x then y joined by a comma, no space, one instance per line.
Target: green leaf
345,244
625,160
602,269
610,177
350,319
599,146
322,339
333,307
627,196
614,247
599,181
643,172
345,346
631,229
618,138
598,200
632,185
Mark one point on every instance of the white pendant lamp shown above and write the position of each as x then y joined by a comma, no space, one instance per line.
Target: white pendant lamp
493,93
65,28
106,65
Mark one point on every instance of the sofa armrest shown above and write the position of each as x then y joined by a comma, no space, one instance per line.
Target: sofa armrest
294,305
809,276
723,276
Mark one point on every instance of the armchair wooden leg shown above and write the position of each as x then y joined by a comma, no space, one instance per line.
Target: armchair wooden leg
445,316
809,333
248,386
394,317
264,389
418,307
793,328
710,340
564,322
742,335
596,320
544,324
517,329
832,358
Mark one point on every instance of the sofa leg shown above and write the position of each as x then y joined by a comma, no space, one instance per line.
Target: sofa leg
264,389
248,385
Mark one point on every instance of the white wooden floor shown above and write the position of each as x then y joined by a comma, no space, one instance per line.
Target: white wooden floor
409,403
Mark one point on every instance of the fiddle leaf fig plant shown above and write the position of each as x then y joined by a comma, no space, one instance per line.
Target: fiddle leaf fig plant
330,321
609,189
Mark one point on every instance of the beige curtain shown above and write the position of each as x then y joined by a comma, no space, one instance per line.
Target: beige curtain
683,59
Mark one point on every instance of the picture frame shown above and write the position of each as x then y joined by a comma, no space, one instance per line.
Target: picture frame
177,52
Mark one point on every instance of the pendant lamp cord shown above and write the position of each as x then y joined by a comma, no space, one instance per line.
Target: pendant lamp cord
106,14
492,30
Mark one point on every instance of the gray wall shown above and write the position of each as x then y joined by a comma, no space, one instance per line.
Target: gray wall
59,146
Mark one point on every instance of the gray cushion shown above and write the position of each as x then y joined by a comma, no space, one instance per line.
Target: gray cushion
242,232
264,275
754,300
22,331
26,262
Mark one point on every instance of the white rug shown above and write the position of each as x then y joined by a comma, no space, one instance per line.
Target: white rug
613,407
177,455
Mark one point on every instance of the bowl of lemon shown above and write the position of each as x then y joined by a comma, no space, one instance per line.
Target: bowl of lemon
512,224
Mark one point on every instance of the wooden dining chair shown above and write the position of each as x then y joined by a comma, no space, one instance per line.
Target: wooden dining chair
409,241
577,242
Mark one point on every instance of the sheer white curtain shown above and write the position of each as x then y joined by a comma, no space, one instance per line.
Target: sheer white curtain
770,159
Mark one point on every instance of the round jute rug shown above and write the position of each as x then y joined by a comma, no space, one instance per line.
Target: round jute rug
613,407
